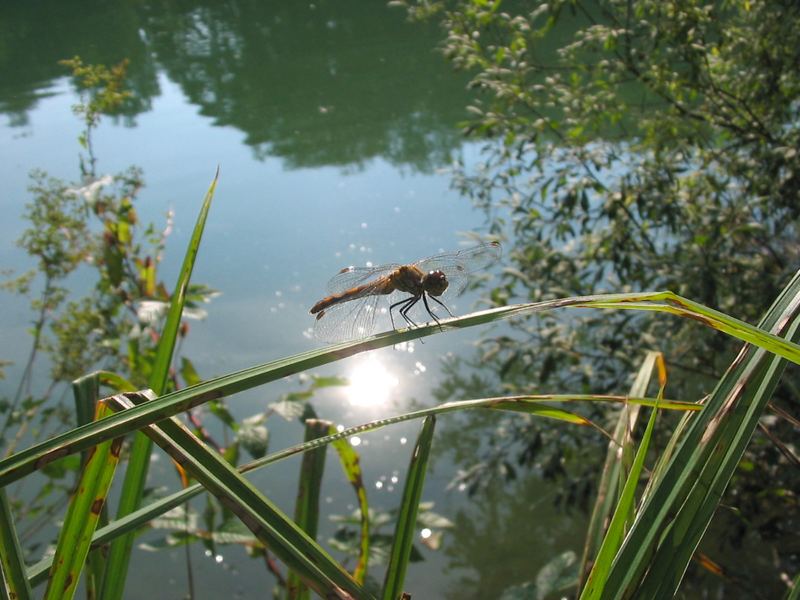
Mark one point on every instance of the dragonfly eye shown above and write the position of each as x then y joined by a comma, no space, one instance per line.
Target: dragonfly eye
435,283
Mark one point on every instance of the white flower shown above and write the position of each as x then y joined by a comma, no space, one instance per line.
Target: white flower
150,311
91,190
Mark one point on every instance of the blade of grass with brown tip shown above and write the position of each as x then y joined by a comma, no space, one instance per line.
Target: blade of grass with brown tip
26,461
269,524
139,518
82,516
86,392
729,440
595,584
675,514
608,488
351,465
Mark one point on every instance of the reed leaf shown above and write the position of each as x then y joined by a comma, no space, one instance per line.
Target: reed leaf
405,529
12,559
83,514
37,573
793,593
616,529
351,465
608,488
269,524
139,460
86,393
306,510
24,462
676,512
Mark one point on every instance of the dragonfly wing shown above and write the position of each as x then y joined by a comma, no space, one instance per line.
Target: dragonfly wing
347,320
351,277
362,317
469,259
458,265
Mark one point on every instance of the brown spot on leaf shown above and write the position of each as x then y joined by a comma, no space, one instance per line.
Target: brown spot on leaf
97,505
705,321
116,447
739,357
726,408
51,456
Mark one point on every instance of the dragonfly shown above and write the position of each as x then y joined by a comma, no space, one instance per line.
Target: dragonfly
358,296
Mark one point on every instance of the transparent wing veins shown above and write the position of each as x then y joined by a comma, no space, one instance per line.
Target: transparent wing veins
350,277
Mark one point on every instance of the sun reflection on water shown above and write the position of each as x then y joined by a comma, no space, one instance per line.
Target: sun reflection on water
371,384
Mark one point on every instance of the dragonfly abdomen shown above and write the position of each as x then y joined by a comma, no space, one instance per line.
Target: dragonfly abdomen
368,289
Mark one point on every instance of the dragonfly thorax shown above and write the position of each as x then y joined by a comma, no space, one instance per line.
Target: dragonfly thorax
407,278
412,280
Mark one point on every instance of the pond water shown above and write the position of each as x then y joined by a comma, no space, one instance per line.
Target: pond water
331,123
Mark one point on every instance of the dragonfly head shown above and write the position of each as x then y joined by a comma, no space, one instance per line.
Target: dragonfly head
435,283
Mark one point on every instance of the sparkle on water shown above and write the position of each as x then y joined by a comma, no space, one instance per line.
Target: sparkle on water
371,384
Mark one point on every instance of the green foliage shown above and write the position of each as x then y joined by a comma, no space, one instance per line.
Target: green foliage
58,236
91,226
346,537
633,146
102,93
156,416
94,225
628,146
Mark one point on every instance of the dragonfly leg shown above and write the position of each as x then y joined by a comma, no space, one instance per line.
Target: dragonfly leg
430,312
392,307
443,305
404,311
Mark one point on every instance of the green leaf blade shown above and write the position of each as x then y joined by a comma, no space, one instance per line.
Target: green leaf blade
306,512
12,559
268,523
679,506
351,465
405,530
139,461
82,517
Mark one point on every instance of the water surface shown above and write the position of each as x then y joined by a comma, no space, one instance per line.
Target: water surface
331,123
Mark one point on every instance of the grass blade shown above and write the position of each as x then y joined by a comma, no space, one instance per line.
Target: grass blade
405,530
12,559
616,529
37,574
278,532
729,441
306,510
139,518
794,591
166,342
351,464
86,392
676,512
608,488
139,461
82,516
22,463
